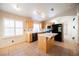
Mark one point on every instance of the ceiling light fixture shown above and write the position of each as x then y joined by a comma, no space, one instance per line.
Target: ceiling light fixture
38,15
51,13
35,12
17,7
43,15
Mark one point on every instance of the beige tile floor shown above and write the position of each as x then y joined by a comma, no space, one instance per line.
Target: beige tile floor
31,49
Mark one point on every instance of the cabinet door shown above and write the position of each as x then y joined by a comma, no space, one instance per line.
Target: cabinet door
30,24
43,25
29,37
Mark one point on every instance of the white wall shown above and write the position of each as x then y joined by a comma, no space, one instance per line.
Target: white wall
78,19
4,41
68,31
0,27
7,41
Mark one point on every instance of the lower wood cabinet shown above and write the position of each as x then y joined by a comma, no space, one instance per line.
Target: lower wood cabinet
45,44
29,37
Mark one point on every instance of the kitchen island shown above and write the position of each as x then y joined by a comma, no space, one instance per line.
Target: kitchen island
32,36
46,41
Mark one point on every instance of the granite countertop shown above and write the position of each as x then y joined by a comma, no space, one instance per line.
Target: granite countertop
49,35
35,32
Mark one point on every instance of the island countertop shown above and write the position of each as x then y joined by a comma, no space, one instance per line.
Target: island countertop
46,41
47,34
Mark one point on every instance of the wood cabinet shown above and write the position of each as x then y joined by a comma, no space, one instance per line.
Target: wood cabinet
45,43
43,25
29,37
29,23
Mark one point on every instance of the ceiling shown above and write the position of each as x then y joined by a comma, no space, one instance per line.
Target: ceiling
40,11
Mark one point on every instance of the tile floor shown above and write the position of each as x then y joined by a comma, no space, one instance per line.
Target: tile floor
31,49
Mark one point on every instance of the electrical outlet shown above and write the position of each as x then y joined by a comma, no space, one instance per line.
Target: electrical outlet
73,19
12,41
24,30
73,38
74,27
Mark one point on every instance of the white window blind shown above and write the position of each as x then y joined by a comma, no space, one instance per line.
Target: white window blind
8,27
19,27
13,27
36,27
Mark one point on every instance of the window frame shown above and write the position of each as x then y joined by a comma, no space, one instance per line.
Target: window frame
15,20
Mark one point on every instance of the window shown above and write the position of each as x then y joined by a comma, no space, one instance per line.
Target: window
13,27
19,27
36,27
8,27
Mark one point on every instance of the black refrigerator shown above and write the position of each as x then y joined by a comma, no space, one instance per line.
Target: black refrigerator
57,28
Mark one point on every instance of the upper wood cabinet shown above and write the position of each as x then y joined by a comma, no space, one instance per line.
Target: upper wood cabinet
43,25
29,23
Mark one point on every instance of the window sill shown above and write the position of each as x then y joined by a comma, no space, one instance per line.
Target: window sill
11,37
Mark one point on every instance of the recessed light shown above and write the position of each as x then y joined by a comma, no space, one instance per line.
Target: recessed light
17,7
52,9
